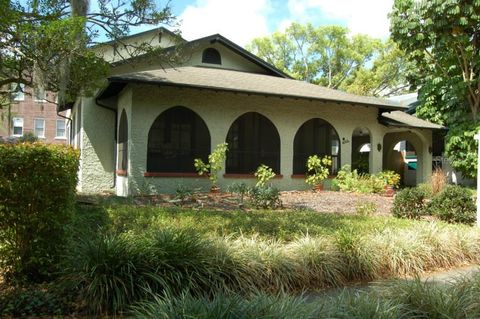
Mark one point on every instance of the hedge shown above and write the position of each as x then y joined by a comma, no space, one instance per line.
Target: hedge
37,189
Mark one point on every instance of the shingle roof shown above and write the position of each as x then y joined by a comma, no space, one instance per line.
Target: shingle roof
237,81
399,118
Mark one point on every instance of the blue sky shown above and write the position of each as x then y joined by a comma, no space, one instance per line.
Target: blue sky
243,20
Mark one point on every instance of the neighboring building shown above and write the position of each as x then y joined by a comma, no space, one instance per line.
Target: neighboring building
33,112
141,133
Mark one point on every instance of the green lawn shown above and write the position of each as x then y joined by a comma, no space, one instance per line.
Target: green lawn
280,225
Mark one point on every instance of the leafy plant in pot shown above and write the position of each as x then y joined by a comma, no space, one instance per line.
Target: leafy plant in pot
214,165
391,181
317,170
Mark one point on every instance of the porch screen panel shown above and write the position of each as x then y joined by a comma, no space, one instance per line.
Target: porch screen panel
252,140
177,137
315,137
123,143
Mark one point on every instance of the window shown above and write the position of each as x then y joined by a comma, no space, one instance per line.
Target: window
18,93
40,95
176,138
315,137
252,140
17,126
39,128
122,157
60,131
211,56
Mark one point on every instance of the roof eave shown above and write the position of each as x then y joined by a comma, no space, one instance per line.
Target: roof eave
119,79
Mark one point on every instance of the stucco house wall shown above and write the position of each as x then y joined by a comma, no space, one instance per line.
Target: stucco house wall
143,103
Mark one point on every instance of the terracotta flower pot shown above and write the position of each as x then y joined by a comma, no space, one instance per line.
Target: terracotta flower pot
318,187
389,191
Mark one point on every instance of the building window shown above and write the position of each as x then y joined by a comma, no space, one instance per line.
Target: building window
177,137
122,157
212,56
40,95
39,128
252,141
315,137
60,131
17,126
18,93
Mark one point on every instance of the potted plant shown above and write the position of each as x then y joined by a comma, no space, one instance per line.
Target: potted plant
391,180
317,171
215,164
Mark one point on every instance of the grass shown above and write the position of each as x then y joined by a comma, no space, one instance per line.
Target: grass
407,299
123,254
279,225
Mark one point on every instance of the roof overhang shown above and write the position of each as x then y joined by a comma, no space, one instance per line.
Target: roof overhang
240,82
405,120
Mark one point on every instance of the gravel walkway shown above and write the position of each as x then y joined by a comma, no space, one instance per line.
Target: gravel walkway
335,202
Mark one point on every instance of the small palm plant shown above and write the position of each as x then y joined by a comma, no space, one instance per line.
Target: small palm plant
215,164
317,170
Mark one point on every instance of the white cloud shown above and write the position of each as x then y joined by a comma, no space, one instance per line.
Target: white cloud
239,21
360,16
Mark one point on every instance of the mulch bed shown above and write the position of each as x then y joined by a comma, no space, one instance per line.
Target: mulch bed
323,201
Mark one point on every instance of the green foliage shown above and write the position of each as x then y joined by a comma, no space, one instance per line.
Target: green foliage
215,163
278,225
225,306
400,299
317,169
27,137
328,56
266,197
48,43
410,203
366,209
389,178
37,189
35,301
454,204
263,175
241,189
350,181
441,38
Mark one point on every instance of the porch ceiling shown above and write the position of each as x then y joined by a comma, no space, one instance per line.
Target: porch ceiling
402,119
243,82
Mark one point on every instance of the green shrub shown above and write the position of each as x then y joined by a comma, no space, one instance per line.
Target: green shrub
33,301
37,189
350,181
265,197
410,203
454,204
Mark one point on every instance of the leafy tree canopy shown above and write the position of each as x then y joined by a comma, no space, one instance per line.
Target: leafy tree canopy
329,56
442,38
47,43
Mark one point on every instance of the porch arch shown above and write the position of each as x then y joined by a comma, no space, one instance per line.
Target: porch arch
252,140
403,152
361,150
177,137
315,136
122,147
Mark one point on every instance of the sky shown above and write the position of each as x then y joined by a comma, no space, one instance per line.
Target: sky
243,20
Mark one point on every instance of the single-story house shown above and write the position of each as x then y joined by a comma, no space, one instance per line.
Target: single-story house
141,133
